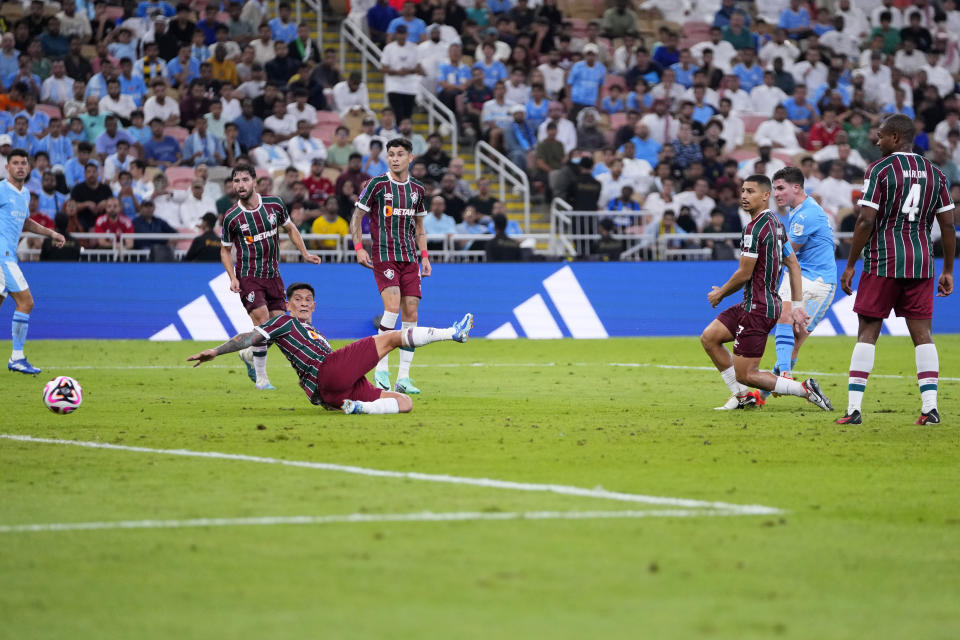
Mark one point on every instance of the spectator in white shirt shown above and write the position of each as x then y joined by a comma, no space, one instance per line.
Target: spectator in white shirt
767,96
566,131
116,103
362,141
303,149
668,89
663,127
283,124
612,182
937,75
909,59
518,91
117,161
193,204
57,88
841,41
723,51
496,115
946,126
263,46
739,99
834,193
811,72
625,57
160,106
778,133
299,108
734,131
270,155
554,75
699,202
778,47
896,15
351,99
402,73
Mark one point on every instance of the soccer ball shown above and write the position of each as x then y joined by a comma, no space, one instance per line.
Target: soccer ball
62,395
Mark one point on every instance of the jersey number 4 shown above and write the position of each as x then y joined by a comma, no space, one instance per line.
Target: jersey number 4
912,204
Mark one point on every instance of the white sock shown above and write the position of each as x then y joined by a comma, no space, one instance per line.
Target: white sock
730,379
16,355
928,373
406,354
861,364
387,323
383,405
260,364
419,336
788,387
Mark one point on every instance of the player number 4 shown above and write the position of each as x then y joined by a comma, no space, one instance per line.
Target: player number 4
912,204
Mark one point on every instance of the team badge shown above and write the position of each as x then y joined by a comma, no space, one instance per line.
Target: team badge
797,229
388,274
251,296
414,197
273,219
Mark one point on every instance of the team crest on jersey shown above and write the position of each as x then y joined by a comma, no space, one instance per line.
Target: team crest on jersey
797,229
272,218
251,296
414,197
388,274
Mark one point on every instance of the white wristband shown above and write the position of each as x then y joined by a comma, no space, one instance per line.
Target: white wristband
799,302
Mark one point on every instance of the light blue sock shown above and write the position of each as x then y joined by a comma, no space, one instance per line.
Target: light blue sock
793,364
784,339
21,322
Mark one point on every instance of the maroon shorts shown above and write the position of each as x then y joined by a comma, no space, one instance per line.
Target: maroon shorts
907,297
342,376
405,275
750,330
257,292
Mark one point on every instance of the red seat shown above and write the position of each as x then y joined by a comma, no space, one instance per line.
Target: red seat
179,133
114,13
612,80
324,132
696,28
617,120
179,178
328,117
50,109
752,121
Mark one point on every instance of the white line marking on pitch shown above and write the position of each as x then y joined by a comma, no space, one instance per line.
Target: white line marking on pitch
524,365
598,493
361,518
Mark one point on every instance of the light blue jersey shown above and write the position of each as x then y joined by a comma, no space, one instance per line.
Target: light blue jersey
809,228
14,209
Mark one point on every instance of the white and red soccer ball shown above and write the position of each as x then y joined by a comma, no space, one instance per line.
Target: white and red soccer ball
63,394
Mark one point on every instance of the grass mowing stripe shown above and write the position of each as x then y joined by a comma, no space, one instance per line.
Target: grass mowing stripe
361,518
598,493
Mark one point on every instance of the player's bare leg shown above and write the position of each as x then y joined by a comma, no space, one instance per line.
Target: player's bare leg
748,373
21,322
928,368
394,402
408,320
256,357
388,322
713,338
861,364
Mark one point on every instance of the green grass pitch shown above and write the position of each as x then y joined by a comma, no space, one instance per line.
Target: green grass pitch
867,544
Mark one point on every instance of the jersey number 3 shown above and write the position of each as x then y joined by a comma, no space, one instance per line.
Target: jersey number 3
912,204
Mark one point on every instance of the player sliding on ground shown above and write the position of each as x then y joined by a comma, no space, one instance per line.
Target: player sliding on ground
336,379
810,235
763,250
903,193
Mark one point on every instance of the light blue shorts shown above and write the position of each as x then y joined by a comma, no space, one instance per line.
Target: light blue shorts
11,278
817,297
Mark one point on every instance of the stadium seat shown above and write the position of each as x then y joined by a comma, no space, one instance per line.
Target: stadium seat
263,173
115,13
617,120
179,177
51,110
752,121
328,117
612,80
179,133
331,174
324,132
742,154
695,28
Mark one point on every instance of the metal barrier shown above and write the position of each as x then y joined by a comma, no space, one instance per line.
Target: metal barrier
574,233
483,153
317,7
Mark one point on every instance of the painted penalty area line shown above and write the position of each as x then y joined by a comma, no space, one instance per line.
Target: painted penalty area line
491,483
365,518
508,365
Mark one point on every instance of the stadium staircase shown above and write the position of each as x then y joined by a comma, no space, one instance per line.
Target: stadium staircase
539,216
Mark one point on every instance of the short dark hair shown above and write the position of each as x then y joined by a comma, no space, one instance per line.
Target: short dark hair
19,152
401,142
760,180
243,168
83,145
900,124
790,175
298,286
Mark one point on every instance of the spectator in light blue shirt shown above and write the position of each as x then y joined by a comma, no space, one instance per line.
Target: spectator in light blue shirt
749,72
493,70
282,28
49,200
58,147
37,121
137,129
74,168
124,47
202,147
613,103
415,26
537,106
374,164
438,223
795,20
585,79
249,126
645,147
499,6
183,69
801,111
683,71
20,136
9,55
131,84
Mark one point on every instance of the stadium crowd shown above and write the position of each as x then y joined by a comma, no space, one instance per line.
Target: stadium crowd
134,113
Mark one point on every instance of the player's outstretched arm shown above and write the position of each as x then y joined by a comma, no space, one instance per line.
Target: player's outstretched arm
866,220
237,343
739,278
297,240
356,233
948,236
32,226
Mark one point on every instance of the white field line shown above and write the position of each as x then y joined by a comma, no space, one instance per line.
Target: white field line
597,493
362,518
456,365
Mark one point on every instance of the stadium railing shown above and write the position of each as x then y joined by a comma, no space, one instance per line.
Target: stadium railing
485,154
370,53
317,8
93,254
574,232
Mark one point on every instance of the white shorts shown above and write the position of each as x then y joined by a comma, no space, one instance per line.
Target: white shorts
817,298
11,278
